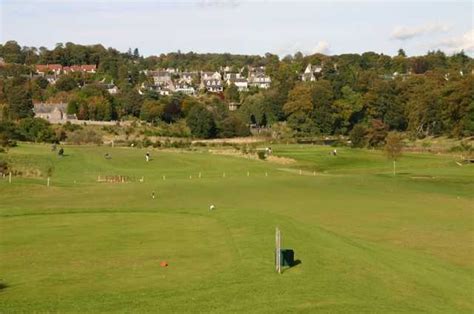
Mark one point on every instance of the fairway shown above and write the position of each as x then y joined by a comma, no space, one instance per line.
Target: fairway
365,240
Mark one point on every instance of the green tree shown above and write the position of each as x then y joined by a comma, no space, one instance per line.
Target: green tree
66,83
37,130
19,98
358,135
151,110
347,107
233,126
299,100
231,93
201,122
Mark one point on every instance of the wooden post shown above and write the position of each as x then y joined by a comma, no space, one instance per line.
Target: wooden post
394,167
301,172
10,178
47,182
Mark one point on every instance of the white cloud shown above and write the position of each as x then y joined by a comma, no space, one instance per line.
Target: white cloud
456,44
321,47
408,32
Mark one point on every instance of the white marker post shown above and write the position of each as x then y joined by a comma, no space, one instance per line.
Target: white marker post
199,175
10,178
47,184
278,250
248,173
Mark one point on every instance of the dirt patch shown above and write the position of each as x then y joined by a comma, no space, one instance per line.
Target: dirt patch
281,160
235,153
234,140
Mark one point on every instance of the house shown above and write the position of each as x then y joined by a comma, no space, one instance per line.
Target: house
231,75
233,106
184,88
163,82
111,88
258,78
187,77
212,85
171,70
241,83
51,78
54,113
43,69
210,75
311,73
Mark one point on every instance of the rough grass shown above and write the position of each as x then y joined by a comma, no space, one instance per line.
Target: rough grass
367,241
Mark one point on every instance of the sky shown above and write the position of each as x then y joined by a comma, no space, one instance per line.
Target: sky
243,27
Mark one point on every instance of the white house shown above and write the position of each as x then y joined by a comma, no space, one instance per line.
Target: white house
258,78
231,76
210,75
311,72
184,88
187,77
241,83
212,85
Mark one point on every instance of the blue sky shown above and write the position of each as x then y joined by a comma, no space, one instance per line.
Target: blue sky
239,26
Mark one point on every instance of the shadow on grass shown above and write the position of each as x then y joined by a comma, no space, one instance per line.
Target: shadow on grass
3,286
295,263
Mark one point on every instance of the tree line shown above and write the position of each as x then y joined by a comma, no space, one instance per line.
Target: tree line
359,95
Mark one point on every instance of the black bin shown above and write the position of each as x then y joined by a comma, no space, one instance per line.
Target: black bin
287,257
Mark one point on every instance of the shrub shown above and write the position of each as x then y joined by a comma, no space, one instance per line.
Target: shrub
377,133
261,154
201,122
84,137
36,129
357,135
146,142
3,167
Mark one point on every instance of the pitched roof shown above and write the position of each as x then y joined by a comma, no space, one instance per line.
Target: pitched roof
48,108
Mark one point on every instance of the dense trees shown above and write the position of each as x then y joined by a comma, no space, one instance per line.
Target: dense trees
364,96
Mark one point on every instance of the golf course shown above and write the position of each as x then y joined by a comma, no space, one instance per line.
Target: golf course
365,240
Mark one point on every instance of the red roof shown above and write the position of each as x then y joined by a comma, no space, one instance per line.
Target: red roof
88,67
48,67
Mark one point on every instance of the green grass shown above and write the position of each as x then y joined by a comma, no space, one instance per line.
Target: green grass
368,241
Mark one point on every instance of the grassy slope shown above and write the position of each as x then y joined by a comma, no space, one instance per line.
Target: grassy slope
367,241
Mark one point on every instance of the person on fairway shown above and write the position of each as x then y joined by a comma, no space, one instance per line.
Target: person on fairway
147,156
